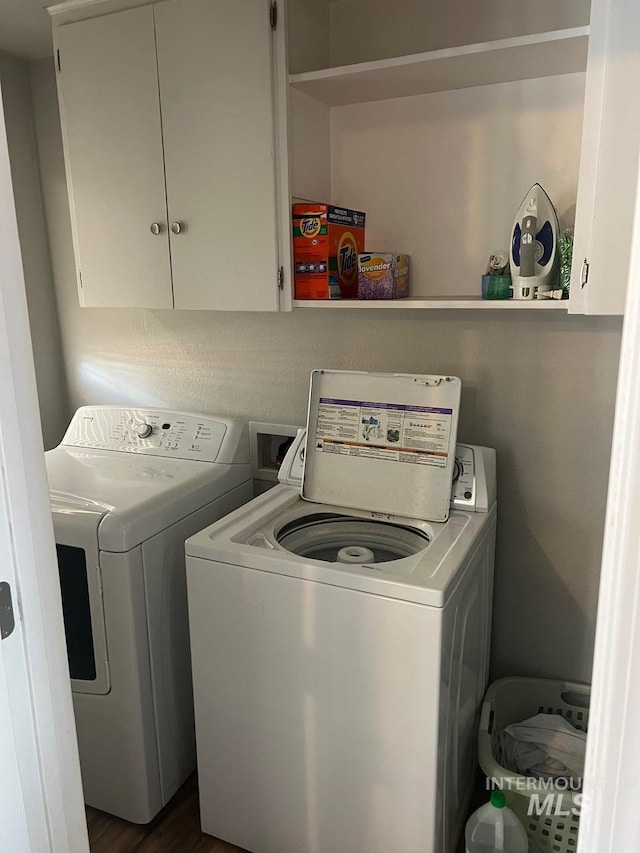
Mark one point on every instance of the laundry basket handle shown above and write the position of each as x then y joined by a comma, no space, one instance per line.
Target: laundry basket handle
507,781
577,698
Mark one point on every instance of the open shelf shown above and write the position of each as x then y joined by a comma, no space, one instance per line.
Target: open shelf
522,58
437,302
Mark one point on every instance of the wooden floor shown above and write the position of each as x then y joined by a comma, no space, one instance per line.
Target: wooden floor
175,830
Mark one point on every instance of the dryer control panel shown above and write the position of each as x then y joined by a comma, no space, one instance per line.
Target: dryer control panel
152,432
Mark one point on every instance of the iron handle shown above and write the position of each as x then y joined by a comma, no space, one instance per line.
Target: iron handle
176,227
156,228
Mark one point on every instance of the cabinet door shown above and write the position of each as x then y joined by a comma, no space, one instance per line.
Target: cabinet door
110,109
217,95
609,162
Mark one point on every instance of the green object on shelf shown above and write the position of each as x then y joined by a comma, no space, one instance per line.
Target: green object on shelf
496,286
566,256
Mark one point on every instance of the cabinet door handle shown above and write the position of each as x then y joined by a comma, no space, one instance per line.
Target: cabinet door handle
7,619
177,227
155,228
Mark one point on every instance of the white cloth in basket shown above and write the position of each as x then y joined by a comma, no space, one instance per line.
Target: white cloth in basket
545,746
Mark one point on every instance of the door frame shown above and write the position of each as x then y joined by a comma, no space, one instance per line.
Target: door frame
609,819
37,689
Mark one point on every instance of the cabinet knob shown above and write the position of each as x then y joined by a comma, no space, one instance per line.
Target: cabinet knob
155,228
176,227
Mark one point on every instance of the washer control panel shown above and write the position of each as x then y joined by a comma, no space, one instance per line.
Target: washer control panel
463,489
148,431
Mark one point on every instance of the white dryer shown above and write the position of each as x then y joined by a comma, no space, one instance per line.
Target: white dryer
340,634
127,487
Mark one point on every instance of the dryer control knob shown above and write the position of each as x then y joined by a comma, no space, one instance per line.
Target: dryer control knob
144,430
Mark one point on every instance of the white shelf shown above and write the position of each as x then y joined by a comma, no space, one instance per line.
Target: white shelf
522,58
437,302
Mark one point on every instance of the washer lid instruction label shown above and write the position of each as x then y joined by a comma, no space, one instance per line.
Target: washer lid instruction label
390,431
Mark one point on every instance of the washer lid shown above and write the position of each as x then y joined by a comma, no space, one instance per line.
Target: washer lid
382,442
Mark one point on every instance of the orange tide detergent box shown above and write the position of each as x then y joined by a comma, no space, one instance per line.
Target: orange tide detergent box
326,243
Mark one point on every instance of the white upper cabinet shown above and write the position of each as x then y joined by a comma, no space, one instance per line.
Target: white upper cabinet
437,122
113,146
188,133
169,123
216,90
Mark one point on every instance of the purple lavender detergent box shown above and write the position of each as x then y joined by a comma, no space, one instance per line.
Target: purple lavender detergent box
383,275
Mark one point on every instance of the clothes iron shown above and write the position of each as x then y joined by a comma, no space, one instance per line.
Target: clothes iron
534,256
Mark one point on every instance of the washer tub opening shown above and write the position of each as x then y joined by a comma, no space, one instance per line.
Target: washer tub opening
349,539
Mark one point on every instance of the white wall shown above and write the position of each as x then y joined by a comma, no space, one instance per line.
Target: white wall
538,386
45,333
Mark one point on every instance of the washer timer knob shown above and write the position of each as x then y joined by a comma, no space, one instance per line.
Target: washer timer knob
144,430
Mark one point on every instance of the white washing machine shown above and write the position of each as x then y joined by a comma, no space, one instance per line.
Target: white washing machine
340,630
127,487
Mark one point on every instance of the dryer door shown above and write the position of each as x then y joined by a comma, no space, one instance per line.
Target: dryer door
75,523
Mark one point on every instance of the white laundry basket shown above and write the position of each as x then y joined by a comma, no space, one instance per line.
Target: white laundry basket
511,700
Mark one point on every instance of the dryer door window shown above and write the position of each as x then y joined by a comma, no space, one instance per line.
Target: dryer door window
75,524
76,607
